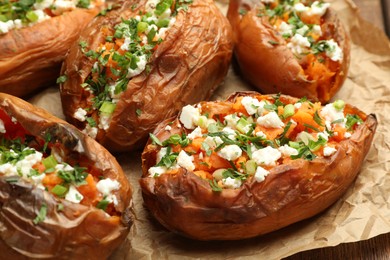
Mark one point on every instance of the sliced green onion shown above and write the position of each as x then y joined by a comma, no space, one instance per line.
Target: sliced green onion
103,204
59,190
32,16
107,107
288,110
250,166
162,23
339,104
242,125
49,162
142,26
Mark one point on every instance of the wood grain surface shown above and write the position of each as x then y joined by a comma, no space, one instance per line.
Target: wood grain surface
377,248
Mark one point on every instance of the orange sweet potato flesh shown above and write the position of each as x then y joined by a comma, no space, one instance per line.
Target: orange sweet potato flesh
78,231
186,68
31,57
293,191
273,68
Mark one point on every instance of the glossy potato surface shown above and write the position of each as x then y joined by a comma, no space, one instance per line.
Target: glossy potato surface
186,68
299,189
75,232
266,62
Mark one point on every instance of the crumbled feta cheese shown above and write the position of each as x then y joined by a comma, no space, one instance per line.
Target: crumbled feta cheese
157,171
230,152
299,7
328,151
286,29
231,183
37,180
298,105
317,30
43,4
213,141
347,135
287,150
261,134
126,44
73,195
106,186
298,44
270,120
230,132
334,52
303,30
251,104
6,26
267,156
80,114
197,132
189,116
42,16
168,128
161,154
141,64
324,135
232,120
24,166
2,127
90,131
331,114
260,174
104,121
318,8
61,6
186,161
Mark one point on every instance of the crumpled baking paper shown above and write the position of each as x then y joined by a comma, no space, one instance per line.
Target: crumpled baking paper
362,213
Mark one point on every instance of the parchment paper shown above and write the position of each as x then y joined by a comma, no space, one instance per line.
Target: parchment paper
362,213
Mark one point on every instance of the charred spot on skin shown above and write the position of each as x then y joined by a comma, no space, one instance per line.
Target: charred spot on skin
59,134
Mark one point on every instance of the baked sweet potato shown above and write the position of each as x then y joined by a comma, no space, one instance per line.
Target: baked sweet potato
62,195
253,164
34,39
289,47
140,64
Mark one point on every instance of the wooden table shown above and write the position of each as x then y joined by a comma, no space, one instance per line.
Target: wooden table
378,13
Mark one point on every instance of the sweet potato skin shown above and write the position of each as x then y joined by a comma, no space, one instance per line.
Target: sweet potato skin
31,57
77,231
273,68
186,68
186,204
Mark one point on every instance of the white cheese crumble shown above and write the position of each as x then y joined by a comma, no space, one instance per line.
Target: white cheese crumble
197,132
299,44
2,127
213,141
328,151
80,114
286,29
189,116
73,195
251,104
230,132
260,174
156,171
287,150
266,156
230,152
334,52
318,8
141,64
186,161
232,120
106,187
231,183
270,120
90,131
331,114
168,128
161,154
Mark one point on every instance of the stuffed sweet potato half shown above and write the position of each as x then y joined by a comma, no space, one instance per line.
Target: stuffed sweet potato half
139,64
252,164
35,36
298,48
62,195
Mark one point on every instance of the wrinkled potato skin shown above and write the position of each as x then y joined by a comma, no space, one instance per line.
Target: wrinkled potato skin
77,232
185,204
186,68
31,57
273,68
